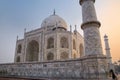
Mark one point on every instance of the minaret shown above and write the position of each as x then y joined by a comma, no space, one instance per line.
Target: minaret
107,49
95,59
90,28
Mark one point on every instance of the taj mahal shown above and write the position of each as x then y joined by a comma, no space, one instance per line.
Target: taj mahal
52,52
50,42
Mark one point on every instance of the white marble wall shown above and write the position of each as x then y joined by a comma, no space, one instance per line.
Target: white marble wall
86,68
41,35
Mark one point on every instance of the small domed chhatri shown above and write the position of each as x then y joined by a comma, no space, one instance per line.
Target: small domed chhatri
54,21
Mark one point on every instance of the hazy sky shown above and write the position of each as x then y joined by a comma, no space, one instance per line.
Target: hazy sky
15,15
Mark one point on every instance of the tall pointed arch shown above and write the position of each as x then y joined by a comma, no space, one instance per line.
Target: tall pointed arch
32,51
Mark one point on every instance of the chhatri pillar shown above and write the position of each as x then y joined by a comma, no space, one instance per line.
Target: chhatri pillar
90,26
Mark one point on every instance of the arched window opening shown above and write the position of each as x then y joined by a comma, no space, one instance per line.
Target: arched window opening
64,42
64,56
19,48
81,49
50,43
18,59
74,45
32,51
50,56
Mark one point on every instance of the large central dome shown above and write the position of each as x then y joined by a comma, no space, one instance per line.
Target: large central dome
54,21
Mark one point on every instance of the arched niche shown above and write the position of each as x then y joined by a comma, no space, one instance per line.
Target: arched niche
50,56
50,43
64,55
32,51
19,48
18,59
64,42
81,50
74,45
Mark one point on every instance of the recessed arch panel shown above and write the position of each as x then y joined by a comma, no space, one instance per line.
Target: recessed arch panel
32,51
50,43
19,48
64,55
64,42
50,56
81,50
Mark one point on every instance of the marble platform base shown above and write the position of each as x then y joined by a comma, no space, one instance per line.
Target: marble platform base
87,68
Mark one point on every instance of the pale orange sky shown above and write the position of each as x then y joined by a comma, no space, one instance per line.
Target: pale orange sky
109,15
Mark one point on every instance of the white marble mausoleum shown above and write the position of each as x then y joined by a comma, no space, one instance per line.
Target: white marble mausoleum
52,41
